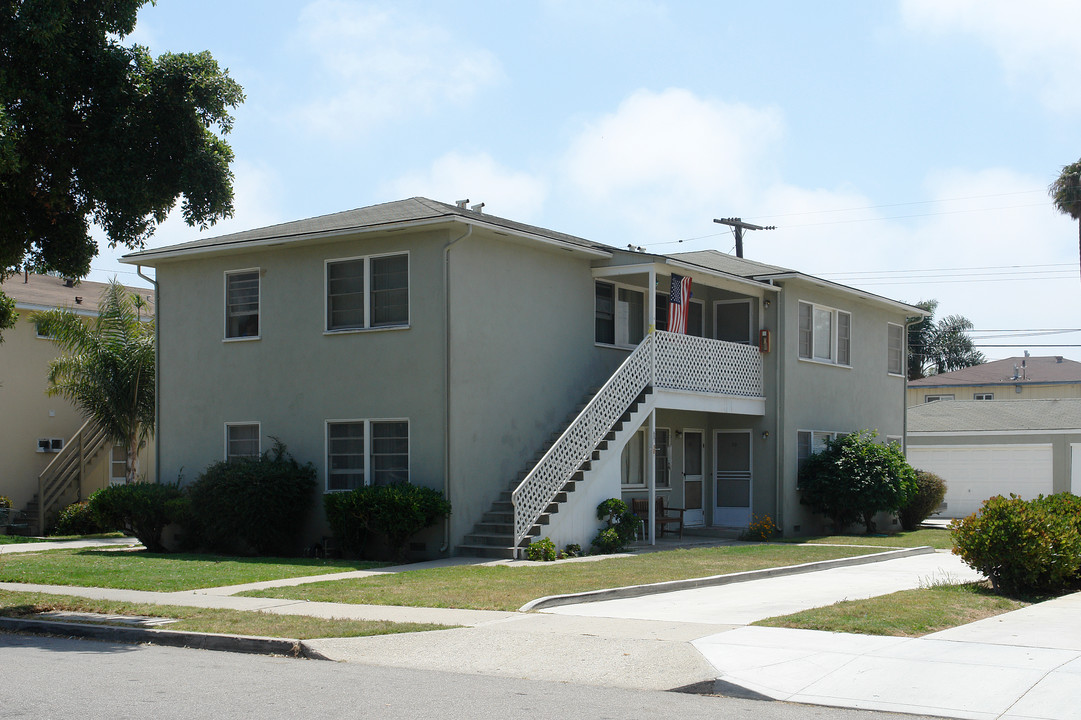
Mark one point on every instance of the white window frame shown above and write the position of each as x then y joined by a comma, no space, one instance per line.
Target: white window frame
367,326
895,354
667,456
751,339
258,310
258,439
368,472
815,448
616,287
897,440
938,398
646,457
983,396
835,344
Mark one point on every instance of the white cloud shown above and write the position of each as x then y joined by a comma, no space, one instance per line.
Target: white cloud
1035,41
663,160
377,65
508,193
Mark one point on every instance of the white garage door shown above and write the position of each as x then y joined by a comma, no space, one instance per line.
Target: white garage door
974,473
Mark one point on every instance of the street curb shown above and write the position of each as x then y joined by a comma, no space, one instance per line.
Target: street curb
175,638
631,591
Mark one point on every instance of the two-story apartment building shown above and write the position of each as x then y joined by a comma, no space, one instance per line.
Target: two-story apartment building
39,432
526,373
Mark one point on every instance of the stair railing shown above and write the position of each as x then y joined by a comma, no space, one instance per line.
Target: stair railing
547,478
67,468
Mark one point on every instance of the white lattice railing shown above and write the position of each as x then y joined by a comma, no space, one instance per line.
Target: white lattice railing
664,360
685,362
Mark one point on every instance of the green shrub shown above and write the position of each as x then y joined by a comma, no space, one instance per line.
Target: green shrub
621,528
141,509
253,504
571,551
1023,546
77,519
5,502
854,478
930,492
543,550
393,512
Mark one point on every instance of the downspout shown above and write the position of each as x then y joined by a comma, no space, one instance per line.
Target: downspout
779,428
157,372
446,380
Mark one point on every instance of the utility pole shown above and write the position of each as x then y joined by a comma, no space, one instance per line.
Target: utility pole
738,226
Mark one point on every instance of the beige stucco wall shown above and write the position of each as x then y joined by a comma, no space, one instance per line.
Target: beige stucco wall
1004,391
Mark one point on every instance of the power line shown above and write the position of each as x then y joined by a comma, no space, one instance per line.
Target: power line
922,270
1026,345
914,202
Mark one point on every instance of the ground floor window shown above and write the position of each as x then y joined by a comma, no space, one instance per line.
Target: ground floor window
241,440
366,452
811,442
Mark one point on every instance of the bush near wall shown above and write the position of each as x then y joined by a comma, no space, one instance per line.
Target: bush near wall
394,513
141,509
930,492
1024,546
77,519
250,505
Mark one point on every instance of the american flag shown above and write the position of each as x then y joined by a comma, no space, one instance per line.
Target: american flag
677,304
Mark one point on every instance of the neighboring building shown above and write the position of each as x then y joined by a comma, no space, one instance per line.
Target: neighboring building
35,429
426,342
982,449
1017,378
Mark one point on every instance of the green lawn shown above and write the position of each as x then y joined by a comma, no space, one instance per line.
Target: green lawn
15,539
140,570
21,604
938,539
909,613
503,587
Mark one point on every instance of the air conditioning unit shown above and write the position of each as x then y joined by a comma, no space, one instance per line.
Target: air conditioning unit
50,445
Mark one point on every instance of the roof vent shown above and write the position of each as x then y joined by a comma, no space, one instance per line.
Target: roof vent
78,300
477,208
68,282
462,203
1058,359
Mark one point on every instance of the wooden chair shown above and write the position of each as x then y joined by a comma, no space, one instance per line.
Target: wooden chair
664,516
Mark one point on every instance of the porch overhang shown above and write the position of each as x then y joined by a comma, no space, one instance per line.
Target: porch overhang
698,275
708,402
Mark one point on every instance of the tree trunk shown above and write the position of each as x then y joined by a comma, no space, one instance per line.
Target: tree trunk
132,460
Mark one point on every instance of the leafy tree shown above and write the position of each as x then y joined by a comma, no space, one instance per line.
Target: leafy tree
1065,193
106,368
940,347
92,131
854,478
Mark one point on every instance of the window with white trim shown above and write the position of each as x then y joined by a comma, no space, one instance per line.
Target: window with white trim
620,314
241,440
662,455
936,398
242,304
367,292
895,352
366,452
825,334
811,442
632,461
695,314
983,396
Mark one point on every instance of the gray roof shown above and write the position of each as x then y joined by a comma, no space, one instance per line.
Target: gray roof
38,292
1053,369
730,264
987,415
382,216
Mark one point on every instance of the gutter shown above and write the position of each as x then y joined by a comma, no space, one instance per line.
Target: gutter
446,380
157,372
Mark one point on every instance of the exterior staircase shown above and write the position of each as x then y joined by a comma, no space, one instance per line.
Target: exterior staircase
493,536
60,482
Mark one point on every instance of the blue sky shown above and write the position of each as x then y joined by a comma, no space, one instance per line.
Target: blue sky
904,148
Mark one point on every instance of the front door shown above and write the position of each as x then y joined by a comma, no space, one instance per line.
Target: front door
692,478
732,476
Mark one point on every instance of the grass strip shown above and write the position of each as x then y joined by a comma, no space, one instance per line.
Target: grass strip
18,539
503,587
935,537
209,620
159,572
908,613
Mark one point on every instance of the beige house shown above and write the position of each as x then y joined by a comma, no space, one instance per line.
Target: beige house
42,435
1016,378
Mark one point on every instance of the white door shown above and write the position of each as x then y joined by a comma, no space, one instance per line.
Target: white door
692,478
732,478
974,473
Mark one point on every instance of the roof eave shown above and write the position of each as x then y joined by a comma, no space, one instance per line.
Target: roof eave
909,309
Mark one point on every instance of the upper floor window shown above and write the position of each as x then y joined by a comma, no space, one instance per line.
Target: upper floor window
936,398
241,440
895,353
825,334
367,452
620,314
242,304
983,396
367,292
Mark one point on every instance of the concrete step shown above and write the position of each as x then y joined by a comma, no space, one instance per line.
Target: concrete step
486,551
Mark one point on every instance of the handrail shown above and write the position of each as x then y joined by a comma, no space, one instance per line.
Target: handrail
663,360
67,467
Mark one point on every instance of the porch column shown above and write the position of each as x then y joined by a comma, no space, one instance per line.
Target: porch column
651,475
651,303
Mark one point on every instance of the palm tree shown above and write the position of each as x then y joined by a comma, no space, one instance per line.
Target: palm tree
106,368
1065,192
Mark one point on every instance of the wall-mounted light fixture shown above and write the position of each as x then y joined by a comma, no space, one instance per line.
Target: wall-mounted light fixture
679,433
765,434
766,303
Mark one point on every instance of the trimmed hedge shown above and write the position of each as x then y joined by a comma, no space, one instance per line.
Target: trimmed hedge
141,509
77,519
395,512
930,492
255,505
1023,546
